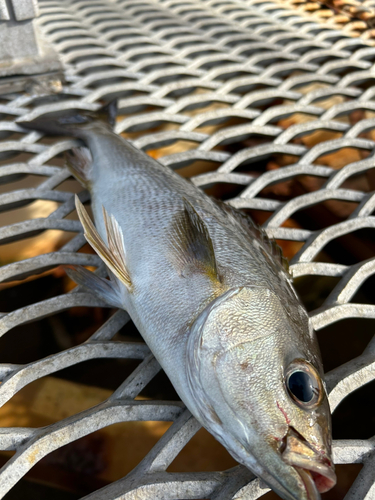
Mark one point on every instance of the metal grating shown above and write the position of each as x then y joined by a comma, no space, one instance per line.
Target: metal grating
227,82
354,17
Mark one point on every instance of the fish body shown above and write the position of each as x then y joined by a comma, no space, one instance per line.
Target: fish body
216,307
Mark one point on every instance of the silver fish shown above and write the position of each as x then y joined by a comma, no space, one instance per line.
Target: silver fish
210,296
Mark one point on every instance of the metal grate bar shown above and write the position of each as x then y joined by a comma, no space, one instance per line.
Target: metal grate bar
229,82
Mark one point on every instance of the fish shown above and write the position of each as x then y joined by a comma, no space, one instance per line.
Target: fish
211,296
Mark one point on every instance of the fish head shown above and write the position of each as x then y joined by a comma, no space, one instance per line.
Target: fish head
256,378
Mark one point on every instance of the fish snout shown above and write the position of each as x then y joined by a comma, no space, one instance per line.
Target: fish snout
314,467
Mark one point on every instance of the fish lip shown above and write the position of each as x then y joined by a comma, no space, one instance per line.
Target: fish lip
309,484
305,459
323,476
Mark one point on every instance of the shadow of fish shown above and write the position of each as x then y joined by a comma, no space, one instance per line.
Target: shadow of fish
209,294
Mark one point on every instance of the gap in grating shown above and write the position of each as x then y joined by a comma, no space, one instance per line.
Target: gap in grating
32,244
26,292
197,87
110,80
159,388
38,339
28,209
360,182
318,136
290,247
37,489
104,374
324,214
197,168
28,343
330,101
46,98
288,189
313,290
209,127
137,110
145,128
345,156
14,156
9,135
231,74
351,419
49,400
5,456
202,454
268,161
70,185
86,58
97,67
258,216
199,108
21,181
365,293
178,146
99,458
87,46
344,340
305,88
224,190
354,247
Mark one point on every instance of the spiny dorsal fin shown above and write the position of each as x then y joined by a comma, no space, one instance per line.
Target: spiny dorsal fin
113,255
257,232
191,243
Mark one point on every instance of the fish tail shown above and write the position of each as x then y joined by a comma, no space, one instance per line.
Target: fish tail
71,122
74,122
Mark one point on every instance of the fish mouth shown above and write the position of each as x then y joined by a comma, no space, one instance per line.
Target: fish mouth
314,468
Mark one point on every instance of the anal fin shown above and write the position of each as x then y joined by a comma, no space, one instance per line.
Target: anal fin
112,255
104,288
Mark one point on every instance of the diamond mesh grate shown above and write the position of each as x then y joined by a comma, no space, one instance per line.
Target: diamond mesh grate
241,86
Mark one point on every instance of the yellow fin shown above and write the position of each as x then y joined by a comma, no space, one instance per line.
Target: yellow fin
191,245
113,255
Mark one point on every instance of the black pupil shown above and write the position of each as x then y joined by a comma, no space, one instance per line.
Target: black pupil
301,386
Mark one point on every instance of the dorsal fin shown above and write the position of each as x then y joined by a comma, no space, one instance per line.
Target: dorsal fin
191,243
255,231
113,255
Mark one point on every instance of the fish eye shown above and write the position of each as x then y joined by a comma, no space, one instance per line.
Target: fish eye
304,384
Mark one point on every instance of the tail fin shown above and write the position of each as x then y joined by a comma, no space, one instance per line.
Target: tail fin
69,122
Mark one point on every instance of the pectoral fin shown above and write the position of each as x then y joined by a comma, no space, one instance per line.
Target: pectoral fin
191,243
113,255
105,289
